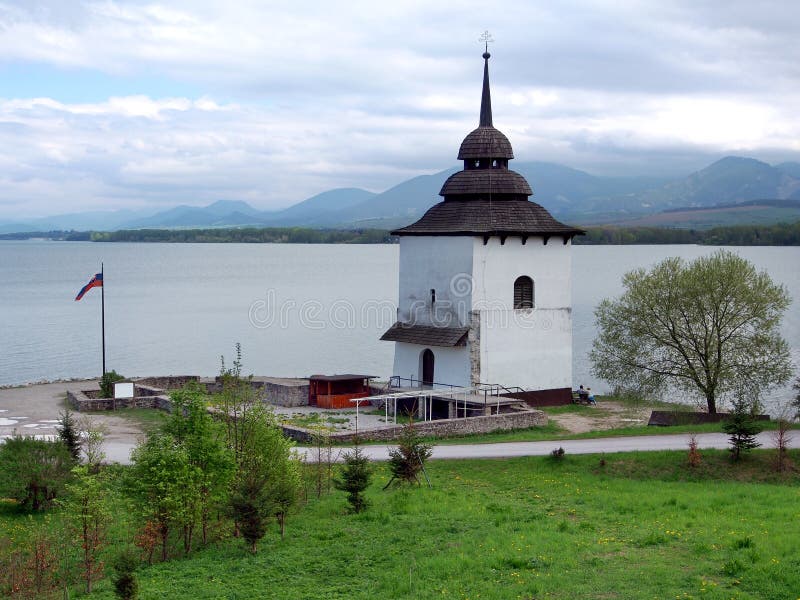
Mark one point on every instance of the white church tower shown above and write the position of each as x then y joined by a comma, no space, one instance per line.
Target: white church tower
485,280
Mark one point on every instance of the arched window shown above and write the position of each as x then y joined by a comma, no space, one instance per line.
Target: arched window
523,292
426,367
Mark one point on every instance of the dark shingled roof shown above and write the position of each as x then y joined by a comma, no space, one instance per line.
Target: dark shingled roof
486,182
488,217
426,335
485,142
487,198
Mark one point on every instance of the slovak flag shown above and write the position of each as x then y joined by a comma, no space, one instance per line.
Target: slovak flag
96,281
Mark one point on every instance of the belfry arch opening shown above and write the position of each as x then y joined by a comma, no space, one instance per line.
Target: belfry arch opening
523,292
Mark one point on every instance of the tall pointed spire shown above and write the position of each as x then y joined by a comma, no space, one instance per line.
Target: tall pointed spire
486,97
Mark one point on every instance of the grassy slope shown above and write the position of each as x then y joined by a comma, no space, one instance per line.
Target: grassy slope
641,526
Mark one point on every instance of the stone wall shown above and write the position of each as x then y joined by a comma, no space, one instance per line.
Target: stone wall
80,402
273,390
167,382
438,428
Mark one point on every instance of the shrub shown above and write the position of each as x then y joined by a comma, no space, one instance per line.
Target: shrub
558,453
107,383
34,472
408,459
694,456
125,585
355,478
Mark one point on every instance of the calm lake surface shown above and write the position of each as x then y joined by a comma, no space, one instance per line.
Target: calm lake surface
296,309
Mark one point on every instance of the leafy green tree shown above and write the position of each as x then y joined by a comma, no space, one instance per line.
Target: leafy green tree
234,402
355,478
709,328
286,490
34,472
408,459
88,513
267,479
95,433
203,439
166,485
69,434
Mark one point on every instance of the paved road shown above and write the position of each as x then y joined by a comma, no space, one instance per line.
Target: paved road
120,452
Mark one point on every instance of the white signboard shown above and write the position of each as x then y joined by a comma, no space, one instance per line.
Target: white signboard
123,390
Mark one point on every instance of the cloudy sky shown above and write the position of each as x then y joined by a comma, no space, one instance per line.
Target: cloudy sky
115,104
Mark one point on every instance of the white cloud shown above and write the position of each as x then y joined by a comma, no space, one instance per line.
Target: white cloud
297,98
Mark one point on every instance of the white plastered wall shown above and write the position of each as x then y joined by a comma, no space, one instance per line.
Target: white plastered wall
530,348
450,366
443,263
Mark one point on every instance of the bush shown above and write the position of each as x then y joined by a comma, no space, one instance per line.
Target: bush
34,472
107,383
408,459
125,585
558,453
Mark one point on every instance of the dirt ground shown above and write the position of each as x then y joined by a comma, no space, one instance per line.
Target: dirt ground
35,409
606,415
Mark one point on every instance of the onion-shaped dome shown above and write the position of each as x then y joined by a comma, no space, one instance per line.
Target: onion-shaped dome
485,142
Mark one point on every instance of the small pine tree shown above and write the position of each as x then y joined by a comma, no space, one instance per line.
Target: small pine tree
68,433
125,585
408,459
355,478
249,502
742,429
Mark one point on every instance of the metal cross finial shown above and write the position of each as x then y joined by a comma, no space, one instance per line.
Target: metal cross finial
487,39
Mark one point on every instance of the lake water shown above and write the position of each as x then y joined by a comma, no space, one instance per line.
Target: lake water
296,309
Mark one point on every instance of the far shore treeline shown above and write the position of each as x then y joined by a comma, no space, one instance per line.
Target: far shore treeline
781,234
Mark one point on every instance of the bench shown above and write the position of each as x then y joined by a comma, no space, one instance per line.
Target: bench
578,398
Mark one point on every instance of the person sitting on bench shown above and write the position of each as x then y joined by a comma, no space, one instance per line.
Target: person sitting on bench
590,396
583,395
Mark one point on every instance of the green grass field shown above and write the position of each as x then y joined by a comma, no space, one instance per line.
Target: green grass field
641,525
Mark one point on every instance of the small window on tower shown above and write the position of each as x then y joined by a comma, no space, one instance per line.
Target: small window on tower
433,297
523,292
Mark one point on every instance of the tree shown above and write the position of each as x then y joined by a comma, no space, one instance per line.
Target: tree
93,443
742,428
267,475
408,459
203,439
355,478
709,328
88,514
165,483
69,435
796,401
33,471
286,490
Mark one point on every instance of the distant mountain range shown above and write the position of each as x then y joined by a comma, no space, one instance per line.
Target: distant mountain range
571,195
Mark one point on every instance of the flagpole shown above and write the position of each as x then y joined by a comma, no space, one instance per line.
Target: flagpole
103,314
